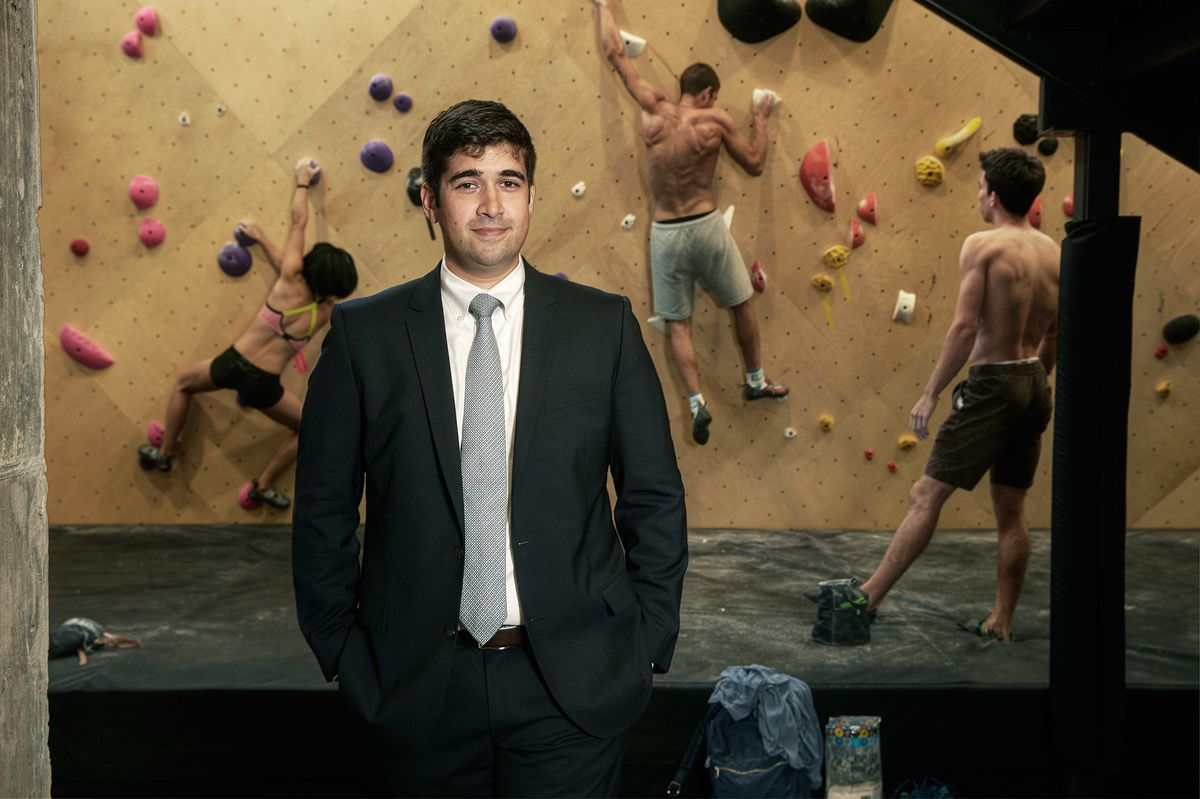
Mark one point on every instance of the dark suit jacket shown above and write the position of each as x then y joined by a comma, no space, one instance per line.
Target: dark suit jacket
600,600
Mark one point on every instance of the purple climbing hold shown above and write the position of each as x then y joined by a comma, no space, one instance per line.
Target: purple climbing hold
403,102
234,260
381,87
376,156
243,238
562,276
504,29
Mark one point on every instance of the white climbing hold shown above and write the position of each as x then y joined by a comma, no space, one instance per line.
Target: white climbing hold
633,44
906,305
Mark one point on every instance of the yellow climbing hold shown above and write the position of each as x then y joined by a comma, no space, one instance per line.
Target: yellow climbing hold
930,171
1163,389
948,144
826,422
907,441
824,284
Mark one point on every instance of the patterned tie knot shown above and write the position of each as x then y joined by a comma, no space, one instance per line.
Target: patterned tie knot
483,306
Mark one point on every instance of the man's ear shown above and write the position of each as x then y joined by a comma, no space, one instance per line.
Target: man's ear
428,203
532,192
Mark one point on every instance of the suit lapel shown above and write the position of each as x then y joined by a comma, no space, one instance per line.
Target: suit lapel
537,345
427,334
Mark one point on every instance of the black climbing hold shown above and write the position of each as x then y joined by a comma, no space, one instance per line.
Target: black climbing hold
1025,129
856,20
757,20
1181,328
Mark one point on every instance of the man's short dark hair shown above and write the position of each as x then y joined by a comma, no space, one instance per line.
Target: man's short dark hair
471,127
697,78
1015,176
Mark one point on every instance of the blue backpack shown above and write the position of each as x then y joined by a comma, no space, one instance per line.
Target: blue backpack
737,764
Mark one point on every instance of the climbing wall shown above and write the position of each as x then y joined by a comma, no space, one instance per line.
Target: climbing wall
261,87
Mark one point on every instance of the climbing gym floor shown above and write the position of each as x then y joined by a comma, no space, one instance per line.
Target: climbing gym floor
224,697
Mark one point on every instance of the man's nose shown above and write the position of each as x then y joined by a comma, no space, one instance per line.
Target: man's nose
489,202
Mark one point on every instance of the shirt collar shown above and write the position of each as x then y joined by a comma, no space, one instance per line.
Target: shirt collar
458,293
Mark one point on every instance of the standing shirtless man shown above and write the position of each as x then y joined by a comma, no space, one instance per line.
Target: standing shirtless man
689,241
1005,326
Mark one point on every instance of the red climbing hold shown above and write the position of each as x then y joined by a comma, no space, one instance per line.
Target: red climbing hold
857,234
80,246
866,208
1035,213
816,175
1161,351
758,278
1069,204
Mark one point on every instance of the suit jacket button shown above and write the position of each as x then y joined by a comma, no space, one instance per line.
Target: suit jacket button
449,631
458,552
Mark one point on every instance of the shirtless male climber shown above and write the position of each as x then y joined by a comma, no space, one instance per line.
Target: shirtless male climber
689,241
1005,325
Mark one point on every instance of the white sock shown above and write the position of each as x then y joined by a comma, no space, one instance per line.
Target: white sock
756,379
696,401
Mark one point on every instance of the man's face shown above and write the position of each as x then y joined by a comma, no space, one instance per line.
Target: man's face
483,211
987,200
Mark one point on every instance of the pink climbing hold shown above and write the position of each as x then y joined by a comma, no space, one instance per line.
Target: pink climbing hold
146,20
245,501
83,349
151,232
758,278
892,467
131,44
143,191
1161,351
1069,204
1035,213
156,433
816,175
857,234
80,247
869,454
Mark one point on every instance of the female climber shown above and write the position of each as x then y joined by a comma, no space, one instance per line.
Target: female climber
298,305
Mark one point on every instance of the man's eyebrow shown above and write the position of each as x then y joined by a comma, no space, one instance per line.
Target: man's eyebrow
475,173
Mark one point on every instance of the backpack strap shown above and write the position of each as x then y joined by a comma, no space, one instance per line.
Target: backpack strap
692,752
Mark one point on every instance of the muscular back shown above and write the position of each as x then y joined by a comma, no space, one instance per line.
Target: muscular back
1020,300
682,145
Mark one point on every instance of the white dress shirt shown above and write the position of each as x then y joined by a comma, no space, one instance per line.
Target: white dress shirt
508,323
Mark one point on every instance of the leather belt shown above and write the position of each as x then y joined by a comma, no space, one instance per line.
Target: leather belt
504,638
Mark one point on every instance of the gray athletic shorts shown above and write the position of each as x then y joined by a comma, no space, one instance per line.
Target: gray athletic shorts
698,250
996,421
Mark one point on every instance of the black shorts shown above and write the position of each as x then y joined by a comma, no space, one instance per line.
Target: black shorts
256,387
996,421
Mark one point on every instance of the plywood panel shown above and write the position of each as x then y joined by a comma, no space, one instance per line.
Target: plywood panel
297,86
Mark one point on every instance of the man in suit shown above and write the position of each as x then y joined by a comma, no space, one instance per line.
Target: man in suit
500,634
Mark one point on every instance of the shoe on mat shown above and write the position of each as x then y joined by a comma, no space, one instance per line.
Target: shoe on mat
813,595
276,499
700,423
768,389
149,457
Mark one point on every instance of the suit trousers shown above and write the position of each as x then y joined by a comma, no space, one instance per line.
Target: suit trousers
500,733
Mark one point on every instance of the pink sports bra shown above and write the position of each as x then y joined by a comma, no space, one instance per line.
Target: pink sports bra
274,320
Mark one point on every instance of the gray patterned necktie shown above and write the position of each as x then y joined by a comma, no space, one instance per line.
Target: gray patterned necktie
485,480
